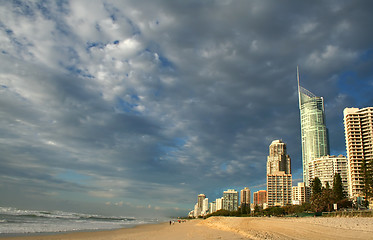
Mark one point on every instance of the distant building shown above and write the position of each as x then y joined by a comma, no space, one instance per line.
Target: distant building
200,207
325,167
197,211
212,207
260,198
359,143
300,194
314,134
205,207
219,204
279,179
230,201
245,197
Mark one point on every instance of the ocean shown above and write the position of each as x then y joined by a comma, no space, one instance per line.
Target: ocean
18,222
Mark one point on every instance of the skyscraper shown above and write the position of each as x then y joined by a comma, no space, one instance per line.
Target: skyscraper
278,160
314,133
230,200
359,143
260,197
245,197
279,179
198,209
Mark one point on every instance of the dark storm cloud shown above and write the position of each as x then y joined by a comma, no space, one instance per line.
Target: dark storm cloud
165,100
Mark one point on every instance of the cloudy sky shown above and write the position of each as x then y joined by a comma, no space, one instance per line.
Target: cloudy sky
136,107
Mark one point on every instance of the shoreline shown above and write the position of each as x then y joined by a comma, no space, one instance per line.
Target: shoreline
73,234
191,229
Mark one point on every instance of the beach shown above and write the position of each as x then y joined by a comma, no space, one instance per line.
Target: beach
232,228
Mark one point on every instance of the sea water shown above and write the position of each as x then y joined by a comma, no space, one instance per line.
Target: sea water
16,221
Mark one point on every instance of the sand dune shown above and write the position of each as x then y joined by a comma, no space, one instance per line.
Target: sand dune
295,228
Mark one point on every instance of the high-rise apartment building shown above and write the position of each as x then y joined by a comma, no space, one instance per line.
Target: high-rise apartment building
219,204
200,199
314,133
359,143
300,194
279,178
279,189
325,167
205,207
245,197
198,208
260,198
230,200
212,207
278,160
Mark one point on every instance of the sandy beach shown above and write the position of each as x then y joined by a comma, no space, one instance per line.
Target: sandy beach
233,228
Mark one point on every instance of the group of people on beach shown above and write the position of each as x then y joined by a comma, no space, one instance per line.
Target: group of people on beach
173,221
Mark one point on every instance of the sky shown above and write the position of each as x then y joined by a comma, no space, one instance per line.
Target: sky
136,107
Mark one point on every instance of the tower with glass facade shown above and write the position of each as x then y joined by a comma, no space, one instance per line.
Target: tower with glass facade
314,134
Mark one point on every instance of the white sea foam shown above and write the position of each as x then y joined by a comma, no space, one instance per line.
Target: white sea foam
30,221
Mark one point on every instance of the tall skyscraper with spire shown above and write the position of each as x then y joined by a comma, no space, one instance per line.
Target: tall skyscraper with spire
314,133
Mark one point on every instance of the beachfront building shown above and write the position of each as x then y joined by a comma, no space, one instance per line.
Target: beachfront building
314,133
230,201
278,160
279,179
196,211
219,203
359,144
212,207
260,198
245,198
279,189
200,208
300,194
326,167
205,207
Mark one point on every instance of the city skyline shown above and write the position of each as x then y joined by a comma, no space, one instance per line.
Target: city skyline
134,108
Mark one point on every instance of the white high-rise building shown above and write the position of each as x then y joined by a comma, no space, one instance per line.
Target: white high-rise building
230,201
219,204
300,194
205,206
359,143
325,167
212,207
197,211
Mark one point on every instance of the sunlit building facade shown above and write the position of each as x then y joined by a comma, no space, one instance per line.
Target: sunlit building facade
326,167
359,143
260,198
300,194
314,134
279,179
230,200
245,197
